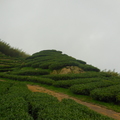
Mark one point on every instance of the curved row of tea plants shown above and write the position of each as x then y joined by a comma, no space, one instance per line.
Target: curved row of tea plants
76,76
30,72
85,89
69,83
41,80
107,94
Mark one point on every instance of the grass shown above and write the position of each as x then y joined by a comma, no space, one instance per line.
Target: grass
84,98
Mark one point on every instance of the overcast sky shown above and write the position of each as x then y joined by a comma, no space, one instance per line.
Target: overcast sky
88,30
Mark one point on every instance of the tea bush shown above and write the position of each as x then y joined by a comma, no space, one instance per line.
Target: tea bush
118,98
32,72
18,103
46,107
28,78
107,94
13,105
59,65
4,87
85,89
69,83
76,76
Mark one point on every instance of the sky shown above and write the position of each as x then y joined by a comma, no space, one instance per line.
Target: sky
87,30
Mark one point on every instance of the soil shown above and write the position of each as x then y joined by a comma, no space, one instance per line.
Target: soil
2,80
67,70
60,96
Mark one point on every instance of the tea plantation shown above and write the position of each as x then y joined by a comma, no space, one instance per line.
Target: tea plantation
101,86
18,103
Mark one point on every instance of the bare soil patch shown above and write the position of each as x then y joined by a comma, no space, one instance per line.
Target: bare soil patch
60,96
2,80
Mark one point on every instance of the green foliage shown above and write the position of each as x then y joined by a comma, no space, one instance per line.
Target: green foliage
18,103
46,107
13,105
118,98
4,87
6,49
69,83
52,59
82,62
84,89
45,65
59,65
28,78
89,68
107,94
9,63
112,73
33,72
76,76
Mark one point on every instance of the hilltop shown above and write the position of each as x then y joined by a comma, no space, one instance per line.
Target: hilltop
55,60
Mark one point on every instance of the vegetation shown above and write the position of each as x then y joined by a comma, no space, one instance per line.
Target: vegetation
53,60
6,49
21,104
85,89
8,63
66,84
107,94
34,72
35,79
76,76
15,65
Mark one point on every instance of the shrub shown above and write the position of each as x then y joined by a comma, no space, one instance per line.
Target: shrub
76,76
69,83
59,65
43,106
28,78
85,89
107,94
21,104
13,105
33,72
118,98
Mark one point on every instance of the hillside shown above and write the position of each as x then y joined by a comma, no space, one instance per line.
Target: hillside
55,60
8,63
10,57
48,68
7,50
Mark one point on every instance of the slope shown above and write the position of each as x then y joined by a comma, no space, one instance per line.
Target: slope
54,60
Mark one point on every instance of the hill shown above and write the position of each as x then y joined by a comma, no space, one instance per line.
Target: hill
55,60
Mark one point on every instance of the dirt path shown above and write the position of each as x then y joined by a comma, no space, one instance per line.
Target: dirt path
60,96
2,80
